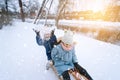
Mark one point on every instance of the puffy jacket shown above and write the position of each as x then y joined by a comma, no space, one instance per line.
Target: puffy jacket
63,60
48,44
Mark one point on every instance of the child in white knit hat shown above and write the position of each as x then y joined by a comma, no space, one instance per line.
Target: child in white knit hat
68,37
67,40
64,57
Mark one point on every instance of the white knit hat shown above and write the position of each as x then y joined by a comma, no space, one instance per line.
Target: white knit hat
68,37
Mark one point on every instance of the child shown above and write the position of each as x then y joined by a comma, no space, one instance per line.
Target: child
65,59
48,41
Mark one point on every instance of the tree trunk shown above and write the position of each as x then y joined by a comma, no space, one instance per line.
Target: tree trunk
61,6
6,6
21,10
40,10
48,12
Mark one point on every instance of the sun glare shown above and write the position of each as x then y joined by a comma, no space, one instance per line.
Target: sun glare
95,5
98,5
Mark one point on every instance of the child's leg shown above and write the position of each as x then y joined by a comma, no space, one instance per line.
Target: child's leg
66,75
50,62
49,56
82,71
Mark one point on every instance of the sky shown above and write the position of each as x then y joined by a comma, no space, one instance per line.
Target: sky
22,59
95,5
82,5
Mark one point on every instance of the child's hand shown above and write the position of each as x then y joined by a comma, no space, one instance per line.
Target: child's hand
37,32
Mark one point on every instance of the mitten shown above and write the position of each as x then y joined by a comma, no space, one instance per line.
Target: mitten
37,32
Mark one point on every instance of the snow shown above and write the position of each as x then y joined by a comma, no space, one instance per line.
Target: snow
22,59
87,23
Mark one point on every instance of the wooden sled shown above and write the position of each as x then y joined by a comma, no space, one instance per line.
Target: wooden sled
75,74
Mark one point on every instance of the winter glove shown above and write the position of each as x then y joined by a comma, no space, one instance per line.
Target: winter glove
82,71
52,32
37,32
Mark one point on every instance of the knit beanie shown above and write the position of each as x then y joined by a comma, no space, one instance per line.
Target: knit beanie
68,37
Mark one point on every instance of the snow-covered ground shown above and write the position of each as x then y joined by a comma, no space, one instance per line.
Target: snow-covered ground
98,24
22,59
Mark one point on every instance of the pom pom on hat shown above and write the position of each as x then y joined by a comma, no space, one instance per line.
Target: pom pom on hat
68,37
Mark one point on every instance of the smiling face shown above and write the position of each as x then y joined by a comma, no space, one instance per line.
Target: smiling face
47,36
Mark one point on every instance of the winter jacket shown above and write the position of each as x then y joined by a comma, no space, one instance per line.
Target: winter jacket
63,60
48,44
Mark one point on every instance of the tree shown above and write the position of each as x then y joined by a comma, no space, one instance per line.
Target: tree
30,7
61,6
40,10
5,16
6,5
21,11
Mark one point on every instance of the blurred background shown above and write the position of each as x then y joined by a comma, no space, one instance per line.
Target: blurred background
99,19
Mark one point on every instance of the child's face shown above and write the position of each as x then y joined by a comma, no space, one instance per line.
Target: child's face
66,47
47,36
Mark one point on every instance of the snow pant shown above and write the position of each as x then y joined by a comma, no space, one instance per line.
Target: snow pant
82,71
49,56
66,75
